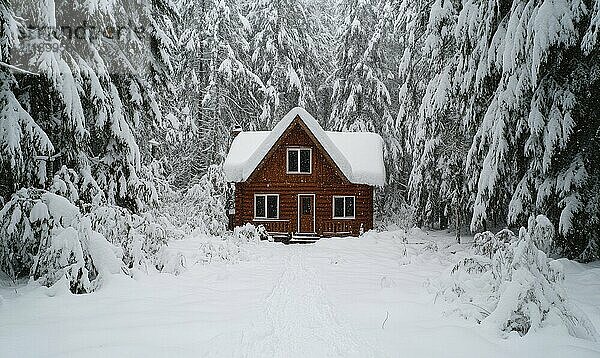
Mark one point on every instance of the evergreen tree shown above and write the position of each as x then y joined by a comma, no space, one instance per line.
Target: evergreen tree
216,88
229,98
361,100
533,138
514,86
90,93
364,95
284,46
324,14
22,142
191,73
431,125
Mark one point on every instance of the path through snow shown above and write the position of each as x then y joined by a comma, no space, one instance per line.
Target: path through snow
299,319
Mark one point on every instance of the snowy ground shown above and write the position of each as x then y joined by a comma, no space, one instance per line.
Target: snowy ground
338,297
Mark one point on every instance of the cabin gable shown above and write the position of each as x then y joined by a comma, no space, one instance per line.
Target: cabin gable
274,167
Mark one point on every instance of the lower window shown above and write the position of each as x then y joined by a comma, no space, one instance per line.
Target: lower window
343,207
266,206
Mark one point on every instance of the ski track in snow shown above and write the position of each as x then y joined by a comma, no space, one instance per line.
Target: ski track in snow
299,320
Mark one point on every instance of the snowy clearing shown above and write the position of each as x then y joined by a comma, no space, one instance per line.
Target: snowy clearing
338,297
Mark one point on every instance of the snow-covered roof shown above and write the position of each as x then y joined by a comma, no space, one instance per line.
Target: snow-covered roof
359,155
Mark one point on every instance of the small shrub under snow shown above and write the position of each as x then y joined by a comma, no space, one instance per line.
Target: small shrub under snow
139,236
396,218
430,246
487,243
230,247
45,237
387,282
510,285
200,209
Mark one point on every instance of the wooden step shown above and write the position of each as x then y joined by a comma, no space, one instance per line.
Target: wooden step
301,238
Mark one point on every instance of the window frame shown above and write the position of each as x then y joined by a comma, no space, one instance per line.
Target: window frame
287,160
345,197
266,217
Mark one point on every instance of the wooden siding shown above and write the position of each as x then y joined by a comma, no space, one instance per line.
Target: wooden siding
325,181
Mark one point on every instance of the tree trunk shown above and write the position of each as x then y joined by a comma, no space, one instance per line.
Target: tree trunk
457,224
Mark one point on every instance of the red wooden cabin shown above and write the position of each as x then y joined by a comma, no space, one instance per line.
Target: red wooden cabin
300,181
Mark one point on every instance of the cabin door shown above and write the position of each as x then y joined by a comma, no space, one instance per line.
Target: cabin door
306,213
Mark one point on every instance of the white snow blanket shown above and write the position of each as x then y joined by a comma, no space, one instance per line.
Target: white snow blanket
350,297
359,155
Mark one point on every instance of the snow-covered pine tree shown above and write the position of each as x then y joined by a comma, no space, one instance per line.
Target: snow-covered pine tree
91,94
328,17
518,93
389,35
53,95
22,141
190,78
216,88
75,115
361,99
475,79
208,199
150,94
436,138
141,77
365,86
230,96
535,136
284,46
472,78
403,27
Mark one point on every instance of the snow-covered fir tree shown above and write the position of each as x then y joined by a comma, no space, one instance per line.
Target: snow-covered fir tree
190,77
284,48
216,87
434,132
327,16
361,99
365,85
91,96
516,90
22,141
230,95
534,136
74,107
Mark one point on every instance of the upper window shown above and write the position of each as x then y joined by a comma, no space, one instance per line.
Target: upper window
343,207
299,160
266,206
